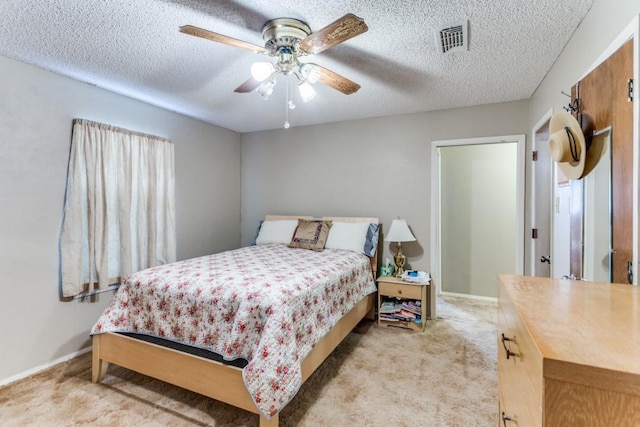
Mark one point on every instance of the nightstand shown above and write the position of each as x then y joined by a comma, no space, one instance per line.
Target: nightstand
389,286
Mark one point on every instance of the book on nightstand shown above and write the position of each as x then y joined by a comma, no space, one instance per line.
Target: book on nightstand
400,310
414,276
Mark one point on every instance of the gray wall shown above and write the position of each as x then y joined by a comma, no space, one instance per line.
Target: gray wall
478,216
36,109
377,167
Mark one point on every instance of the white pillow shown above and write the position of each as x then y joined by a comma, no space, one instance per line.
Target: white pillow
350,236
280,231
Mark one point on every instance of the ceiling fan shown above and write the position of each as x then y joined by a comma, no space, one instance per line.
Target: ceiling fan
288,39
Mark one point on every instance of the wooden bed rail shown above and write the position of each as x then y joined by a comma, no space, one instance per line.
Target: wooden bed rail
204,376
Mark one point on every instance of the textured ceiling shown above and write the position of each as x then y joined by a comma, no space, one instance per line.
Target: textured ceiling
135,48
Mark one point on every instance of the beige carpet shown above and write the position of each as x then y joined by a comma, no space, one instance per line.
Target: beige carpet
377,377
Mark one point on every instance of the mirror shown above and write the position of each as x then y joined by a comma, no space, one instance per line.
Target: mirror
597,221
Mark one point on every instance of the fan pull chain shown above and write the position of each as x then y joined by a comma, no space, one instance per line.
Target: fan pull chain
286,109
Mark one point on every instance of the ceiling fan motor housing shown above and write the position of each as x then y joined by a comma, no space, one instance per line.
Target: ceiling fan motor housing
282,35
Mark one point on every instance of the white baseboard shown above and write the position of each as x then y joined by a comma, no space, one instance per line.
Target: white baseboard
478,297
40,368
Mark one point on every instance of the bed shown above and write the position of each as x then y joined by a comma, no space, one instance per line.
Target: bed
250,323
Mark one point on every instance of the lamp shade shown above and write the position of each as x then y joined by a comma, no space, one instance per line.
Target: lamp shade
310,72
262,70
307,93
399,232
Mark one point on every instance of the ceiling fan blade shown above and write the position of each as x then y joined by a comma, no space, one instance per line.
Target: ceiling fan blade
336,81
210,35
253,83
338,31
248,86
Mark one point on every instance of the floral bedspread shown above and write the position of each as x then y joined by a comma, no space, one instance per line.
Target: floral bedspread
267,304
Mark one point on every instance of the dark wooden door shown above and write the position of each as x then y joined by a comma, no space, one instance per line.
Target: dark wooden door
604,102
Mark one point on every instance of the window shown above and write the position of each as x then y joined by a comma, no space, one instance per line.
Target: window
119,212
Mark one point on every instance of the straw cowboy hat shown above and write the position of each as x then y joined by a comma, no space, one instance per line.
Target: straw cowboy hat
568,147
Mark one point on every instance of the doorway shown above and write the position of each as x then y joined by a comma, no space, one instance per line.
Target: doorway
477,213
542,257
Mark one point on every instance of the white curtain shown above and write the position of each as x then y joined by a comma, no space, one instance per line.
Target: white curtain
119,214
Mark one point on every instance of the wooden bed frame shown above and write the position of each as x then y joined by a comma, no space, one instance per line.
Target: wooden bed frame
210,378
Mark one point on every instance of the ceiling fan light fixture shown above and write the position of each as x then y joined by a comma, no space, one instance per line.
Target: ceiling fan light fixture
310,72
266,88
307,93
262,70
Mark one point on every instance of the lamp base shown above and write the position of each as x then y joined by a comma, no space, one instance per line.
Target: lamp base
399,259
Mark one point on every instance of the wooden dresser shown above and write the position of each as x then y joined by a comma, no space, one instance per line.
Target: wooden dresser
568,353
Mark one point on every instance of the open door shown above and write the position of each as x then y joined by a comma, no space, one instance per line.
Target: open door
542,167
604,101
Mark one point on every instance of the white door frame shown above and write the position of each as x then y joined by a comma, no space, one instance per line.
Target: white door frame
534,262
435,199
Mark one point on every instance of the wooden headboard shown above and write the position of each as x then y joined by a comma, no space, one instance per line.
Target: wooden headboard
373,259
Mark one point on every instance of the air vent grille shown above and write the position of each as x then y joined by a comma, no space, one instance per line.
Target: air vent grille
453,38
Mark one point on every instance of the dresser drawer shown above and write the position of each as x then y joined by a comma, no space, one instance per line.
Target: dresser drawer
400,290
519,368
574,348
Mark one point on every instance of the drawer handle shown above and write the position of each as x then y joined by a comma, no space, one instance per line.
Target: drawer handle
505,418
506,349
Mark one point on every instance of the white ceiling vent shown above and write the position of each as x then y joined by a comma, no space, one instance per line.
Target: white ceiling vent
454,38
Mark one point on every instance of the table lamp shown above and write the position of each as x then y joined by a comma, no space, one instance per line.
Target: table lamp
399,232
